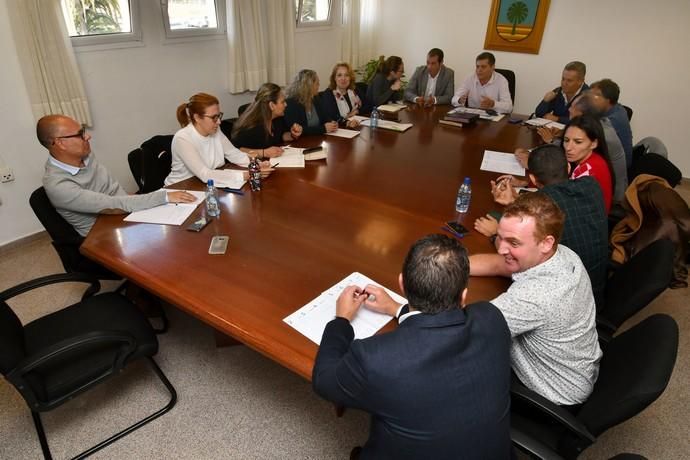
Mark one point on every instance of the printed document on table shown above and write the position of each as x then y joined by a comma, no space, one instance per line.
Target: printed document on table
311,319
544,122
347,133
391,125
392,107
292,157
167,214
501,162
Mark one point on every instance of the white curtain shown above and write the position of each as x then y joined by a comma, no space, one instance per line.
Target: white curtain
261,43
360,18
47,59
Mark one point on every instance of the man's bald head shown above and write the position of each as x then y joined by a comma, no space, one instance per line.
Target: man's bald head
50,127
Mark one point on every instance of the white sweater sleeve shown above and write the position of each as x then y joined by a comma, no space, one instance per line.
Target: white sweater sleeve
189,155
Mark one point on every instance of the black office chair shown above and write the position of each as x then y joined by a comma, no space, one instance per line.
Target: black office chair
242,108
510,76
63,354
635,284
226,126
151,163
628,111
633,373
654,164
65,238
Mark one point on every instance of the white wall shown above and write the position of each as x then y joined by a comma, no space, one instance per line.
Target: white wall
133,94
641,45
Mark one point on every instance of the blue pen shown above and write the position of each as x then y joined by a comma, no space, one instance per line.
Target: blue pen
233,190
452,232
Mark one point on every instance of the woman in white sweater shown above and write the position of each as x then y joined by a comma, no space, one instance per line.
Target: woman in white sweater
200,147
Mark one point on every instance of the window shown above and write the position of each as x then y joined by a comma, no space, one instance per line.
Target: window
93,22
189,18
313,12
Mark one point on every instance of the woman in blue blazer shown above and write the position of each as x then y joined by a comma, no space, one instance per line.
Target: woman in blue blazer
302,104
341,100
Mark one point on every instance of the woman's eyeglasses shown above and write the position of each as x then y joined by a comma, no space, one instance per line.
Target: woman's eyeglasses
216,117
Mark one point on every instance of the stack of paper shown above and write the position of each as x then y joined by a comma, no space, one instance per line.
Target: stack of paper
347,133
311,319
168,214
392,125
501,162
292,157
392,107
544,122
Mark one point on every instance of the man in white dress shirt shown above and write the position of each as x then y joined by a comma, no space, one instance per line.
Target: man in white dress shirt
485,88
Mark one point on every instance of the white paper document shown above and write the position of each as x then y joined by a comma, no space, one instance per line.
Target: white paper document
167,214
391,125
292,157
311,319
347,133
501,162
392,107
544,122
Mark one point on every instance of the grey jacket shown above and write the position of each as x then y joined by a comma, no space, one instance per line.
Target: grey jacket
445,85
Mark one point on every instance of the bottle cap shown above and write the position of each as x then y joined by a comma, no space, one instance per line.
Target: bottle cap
210,182
467,180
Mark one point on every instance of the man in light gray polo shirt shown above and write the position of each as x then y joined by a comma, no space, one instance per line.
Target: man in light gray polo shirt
78,186
549,307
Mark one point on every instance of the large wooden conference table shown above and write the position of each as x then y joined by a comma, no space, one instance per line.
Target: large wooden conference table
307,229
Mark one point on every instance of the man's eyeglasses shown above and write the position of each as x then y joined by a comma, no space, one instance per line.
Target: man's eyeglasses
216,117
81,133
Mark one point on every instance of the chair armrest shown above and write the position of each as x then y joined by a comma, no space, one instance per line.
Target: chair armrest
66,346
532,446
74,277
558,414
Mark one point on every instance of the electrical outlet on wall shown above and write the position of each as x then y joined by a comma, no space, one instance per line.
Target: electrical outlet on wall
6,174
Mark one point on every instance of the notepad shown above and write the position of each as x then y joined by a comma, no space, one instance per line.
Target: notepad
392,107
169,213
292,157
346,133
311,319
501,162
390,125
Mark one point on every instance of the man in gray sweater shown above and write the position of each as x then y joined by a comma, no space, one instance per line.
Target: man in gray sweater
78,186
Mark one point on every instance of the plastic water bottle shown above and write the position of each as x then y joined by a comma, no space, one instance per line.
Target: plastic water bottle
462,203
374,119
255,174
212,208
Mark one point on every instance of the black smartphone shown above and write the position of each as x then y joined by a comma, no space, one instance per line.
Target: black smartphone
457,228
197,225
491,112
515,121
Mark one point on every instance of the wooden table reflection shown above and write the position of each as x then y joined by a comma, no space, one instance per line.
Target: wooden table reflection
308,228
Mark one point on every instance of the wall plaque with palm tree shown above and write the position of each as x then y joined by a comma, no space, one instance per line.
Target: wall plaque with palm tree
516,25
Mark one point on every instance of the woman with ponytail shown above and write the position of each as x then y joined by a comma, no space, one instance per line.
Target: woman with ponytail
200,147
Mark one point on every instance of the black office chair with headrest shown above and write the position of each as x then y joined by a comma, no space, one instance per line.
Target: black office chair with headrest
628,111
151,163
633,373
510,76
63,354
242,108
226,126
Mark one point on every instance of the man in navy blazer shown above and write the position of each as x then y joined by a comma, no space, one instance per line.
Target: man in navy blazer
437,386
433,83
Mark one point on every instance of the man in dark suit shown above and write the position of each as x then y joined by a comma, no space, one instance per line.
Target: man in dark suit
433,83
436,387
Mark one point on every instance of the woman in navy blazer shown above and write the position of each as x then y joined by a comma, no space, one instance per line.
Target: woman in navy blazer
302,104
341,100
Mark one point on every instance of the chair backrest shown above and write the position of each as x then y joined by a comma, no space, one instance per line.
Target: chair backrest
633,373
11,339
639,281
151,163
656,165
241,109
65,238
628,111
226,126
510,76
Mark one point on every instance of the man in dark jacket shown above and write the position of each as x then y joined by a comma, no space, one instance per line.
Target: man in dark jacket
436,387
